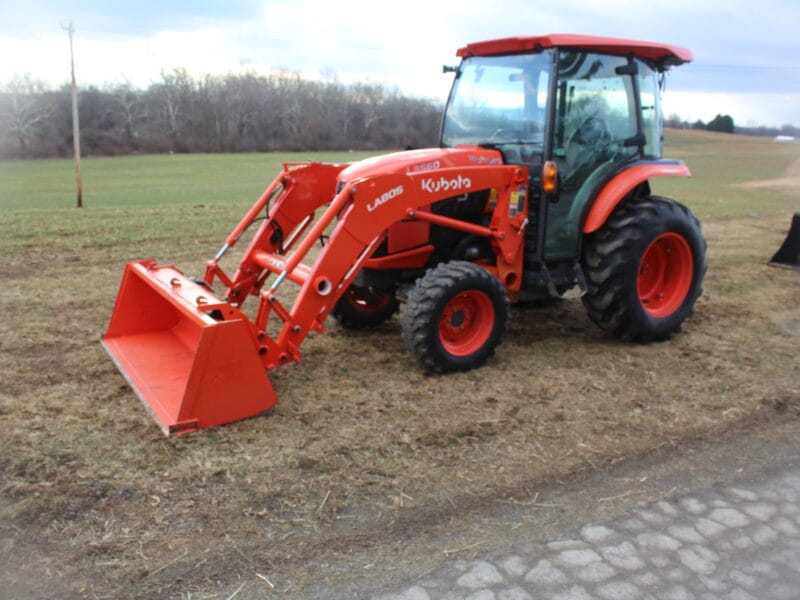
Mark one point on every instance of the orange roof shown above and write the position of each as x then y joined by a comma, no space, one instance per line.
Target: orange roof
663,55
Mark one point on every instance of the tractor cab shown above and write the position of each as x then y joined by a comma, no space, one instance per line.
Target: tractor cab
588,106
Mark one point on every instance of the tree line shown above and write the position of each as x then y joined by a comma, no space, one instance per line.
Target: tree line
720,123
231,113
725,124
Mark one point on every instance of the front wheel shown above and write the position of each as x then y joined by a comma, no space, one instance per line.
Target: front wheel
455,317
644,269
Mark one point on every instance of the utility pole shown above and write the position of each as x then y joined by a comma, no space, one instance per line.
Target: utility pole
76,133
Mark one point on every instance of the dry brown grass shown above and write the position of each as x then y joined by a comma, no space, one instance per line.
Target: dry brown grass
95,502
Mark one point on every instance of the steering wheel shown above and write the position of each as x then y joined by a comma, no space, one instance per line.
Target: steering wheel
587,145
593,131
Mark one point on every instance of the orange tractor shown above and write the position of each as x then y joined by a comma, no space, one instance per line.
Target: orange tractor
539,189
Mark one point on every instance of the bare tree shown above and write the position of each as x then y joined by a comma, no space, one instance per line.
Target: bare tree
177,92
131,112
231,113
23,110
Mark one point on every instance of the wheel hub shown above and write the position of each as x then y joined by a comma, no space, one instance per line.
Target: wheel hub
466,322
457,318
665,275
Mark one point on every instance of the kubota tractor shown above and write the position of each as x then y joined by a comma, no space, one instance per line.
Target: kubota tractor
540,188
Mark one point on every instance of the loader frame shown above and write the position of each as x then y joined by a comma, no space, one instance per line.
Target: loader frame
178,389
360,219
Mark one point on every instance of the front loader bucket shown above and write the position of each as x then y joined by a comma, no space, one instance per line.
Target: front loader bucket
191,358
788,255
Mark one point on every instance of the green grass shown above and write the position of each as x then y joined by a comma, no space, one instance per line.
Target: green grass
154,205
198,198
152,180
720,164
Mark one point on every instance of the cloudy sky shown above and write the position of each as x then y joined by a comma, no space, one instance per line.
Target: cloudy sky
747,54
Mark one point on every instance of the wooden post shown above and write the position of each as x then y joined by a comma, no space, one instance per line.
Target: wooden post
76,133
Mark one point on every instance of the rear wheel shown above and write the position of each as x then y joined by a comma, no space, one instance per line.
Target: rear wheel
364,307
455,317
644,269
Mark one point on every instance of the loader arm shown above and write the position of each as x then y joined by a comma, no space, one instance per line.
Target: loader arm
298,192
359,213
196,360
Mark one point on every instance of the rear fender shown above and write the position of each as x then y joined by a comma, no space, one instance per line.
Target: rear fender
621,185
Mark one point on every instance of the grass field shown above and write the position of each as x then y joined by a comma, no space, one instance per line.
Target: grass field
363,446
147,181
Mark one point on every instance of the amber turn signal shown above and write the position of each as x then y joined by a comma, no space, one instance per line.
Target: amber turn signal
549,177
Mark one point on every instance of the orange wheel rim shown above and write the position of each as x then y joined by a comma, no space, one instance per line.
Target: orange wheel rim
466,323
665,275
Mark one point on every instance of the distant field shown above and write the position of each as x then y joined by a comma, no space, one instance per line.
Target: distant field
180,179
197,198
137,200
363,446
151,180
722,167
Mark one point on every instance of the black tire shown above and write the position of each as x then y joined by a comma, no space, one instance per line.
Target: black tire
364,307
455,317
644,269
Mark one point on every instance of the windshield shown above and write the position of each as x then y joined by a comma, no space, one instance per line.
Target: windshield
499,100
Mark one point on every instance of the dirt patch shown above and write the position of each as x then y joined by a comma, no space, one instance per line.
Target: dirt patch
781,182
790,181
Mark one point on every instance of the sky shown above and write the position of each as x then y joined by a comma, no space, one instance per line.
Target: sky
747,54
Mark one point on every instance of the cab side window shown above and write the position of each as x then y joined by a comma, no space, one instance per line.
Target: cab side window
650,92
595,113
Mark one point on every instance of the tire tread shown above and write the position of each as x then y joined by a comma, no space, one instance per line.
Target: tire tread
613,251
425,299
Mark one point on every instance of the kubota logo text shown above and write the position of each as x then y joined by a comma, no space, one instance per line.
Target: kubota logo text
384,198
446,185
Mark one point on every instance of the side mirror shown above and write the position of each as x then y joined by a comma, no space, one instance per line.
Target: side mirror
637,140
630,69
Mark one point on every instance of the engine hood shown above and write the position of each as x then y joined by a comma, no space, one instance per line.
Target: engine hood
417,161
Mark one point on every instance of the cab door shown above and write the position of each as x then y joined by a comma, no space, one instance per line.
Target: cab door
596,130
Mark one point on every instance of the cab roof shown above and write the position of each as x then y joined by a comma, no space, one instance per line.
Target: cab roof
661,54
